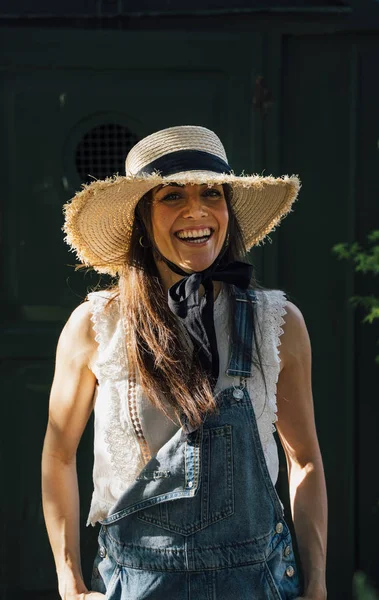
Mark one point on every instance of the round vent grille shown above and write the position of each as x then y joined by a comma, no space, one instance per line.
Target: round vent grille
102,151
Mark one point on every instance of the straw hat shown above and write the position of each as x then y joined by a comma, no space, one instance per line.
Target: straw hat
99,219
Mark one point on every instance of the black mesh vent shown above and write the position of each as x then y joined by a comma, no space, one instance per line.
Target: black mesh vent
102,151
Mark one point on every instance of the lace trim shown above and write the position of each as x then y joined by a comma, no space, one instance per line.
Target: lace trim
278,304
133,407
99,317
99,510
271,306
105,321
111,368
279,310
120,441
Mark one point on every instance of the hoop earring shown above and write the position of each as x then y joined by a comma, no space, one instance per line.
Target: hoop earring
141,243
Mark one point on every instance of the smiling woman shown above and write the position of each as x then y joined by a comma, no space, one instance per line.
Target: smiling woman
180,362
154,252
180,216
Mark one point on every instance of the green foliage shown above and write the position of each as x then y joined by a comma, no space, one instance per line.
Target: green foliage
362,589
366,260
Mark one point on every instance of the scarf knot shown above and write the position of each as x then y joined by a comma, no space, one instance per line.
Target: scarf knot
198,318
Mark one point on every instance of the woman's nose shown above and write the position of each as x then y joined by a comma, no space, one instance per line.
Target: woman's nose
195,207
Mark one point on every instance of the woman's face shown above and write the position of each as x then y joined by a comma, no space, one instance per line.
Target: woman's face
189,224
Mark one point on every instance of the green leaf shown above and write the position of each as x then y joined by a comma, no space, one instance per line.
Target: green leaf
341,250
365,260
373,236
363,590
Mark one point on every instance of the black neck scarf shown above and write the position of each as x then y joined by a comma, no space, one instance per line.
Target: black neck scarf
198,318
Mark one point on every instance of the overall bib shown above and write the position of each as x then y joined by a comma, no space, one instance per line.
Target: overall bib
203,521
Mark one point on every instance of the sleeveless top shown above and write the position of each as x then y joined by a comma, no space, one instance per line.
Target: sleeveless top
128,429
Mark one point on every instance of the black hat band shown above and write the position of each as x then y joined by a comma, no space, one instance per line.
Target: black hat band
185,160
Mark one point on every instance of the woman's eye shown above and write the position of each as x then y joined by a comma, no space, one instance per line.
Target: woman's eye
208,193
212,192
172,196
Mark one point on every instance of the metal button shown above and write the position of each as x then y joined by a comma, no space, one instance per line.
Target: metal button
287,550
190,484
238,393
102,552
290,571
279,528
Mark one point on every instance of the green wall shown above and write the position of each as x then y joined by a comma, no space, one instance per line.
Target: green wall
321,122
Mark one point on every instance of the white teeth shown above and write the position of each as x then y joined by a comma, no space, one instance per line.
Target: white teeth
195,233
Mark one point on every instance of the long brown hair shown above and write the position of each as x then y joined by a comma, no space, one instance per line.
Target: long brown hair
157,350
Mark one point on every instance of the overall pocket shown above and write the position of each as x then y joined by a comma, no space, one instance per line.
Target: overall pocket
214,499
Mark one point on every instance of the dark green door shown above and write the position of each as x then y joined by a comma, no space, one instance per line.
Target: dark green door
73,105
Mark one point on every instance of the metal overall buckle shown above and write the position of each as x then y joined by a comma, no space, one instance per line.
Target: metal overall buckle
238,391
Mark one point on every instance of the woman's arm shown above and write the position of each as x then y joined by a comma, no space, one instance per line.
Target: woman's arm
71,402
297,432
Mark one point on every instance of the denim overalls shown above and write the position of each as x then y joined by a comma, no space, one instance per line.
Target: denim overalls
203,521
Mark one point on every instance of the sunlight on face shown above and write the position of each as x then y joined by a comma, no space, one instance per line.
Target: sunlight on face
189,223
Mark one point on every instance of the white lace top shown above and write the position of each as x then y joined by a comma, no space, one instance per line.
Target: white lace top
127,425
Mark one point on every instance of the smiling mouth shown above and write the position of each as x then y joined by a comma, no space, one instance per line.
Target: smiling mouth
198,236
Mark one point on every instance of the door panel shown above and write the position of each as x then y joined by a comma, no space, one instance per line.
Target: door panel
46,121
318,143
55,87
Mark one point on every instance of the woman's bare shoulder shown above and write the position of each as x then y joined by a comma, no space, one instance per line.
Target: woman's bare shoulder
80,319
295,343
294,316
78,337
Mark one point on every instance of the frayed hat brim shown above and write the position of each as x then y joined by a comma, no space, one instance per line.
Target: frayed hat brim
99,219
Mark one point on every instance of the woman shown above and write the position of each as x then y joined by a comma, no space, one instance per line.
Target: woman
180,361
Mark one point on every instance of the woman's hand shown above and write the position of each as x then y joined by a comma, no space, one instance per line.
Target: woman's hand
78,591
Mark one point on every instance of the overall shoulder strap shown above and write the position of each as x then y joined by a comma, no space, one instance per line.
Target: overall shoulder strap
243,333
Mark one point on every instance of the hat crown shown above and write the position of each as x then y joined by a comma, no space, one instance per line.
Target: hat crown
173,139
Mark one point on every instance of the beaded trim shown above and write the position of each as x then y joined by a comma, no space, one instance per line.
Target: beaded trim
133,407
